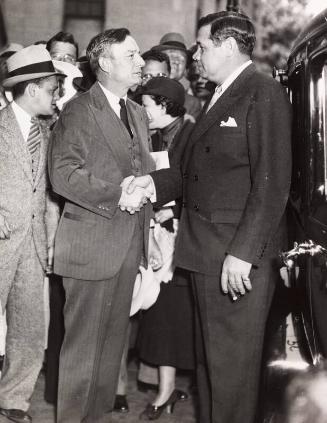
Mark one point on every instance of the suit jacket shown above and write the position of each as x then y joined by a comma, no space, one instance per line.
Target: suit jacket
88,160
24,202
235,180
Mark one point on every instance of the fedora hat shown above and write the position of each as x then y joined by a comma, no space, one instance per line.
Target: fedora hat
10,49
146,290
171,41
32,62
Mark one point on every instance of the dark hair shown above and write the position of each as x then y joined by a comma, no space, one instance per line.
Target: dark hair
19,89
208,19
64,37
236,25
98,45
172,108
157,56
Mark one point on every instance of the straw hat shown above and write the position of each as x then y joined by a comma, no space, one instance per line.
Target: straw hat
146,290
29,63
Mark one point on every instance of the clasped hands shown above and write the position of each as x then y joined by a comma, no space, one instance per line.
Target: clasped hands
135,193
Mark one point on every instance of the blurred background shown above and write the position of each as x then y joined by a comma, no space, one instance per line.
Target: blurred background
278,22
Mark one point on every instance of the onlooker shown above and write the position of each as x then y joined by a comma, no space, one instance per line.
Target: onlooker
28,220
100,137
235,181
166,329
156,64
173,45
63,47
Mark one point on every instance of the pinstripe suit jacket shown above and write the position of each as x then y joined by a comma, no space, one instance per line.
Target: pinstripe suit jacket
24,202
88,159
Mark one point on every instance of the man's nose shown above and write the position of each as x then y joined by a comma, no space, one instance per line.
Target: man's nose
196,55
140,61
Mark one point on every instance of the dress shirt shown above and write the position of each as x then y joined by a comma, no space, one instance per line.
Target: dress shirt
23,119
113,99
223,87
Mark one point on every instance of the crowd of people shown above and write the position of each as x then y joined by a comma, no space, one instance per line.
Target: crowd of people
152,184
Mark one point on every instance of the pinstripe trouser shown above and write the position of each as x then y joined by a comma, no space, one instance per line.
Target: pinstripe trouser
21,294
96,317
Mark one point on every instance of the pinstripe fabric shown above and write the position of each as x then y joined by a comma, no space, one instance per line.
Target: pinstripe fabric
98,247
33,219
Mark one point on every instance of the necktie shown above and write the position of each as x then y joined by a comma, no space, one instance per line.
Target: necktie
123,115
215,97
33,139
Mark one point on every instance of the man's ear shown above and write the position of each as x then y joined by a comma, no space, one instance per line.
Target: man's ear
31,89
105,64
230,45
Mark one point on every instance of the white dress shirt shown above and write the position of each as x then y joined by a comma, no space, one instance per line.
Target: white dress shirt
223,87
113,99
23,119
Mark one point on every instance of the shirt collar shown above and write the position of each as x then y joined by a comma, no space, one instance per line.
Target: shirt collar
112,98
234,75
23,118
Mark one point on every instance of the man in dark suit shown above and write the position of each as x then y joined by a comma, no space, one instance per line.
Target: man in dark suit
100,138
234,181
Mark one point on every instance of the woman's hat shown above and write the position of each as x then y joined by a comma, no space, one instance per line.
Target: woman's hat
166,87
32,62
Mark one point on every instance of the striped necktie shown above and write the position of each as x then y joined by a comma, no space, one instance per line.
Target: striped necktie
34,137
215,97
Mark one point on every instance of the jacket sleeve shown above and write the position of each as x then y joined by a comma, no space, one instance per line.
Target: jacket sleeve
269,149
71,141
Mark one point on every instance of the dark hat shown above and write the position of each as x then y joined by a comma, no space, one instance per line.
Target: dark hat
171,41
166,87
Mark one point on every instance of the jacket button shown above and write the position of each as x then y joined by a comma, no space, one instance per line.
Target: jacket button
196,207
195,177
183,204
207,149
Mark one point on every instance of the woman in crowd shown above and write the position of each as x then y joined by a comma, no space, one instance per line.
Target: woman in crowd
166,330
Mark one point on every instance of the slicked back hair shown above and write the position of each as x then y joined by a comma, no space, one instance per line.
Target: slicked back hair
64,37
157,56
98,45
234,24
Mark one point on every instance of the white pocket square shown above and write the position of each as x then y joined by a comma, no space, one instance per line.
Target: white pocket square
230,122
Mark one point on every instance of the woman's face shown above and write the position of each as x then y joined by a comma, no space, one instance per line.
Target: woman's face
154,111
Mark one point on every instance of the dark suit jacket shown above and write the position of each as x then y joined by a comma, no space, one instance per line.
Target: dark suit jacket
88,160
235,180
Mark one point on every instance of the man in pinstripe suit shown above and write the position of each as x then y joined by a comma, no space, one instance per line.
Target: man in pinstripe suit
100,138
28,220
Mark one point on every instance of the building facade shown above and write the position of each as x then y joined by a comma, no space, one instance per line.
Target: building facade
27,21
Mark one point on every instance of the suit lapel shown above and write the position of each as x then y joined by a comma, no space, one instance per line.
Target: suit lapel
16,143
222,105
111,128
142,133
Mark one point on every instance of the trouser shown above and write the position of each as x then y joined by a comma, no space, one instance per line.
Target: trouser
21,294
233,334
96,318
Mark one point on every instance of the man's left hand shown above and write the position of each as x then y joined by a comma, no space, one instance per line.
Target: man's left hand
235,276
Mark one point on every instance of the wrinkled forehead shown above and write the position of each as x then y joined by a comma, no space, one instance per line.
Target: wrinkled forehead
203,34
126,47
154,67
60,47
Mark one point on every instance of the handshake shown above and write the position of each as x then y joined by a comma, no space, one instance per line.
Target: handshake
136,191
